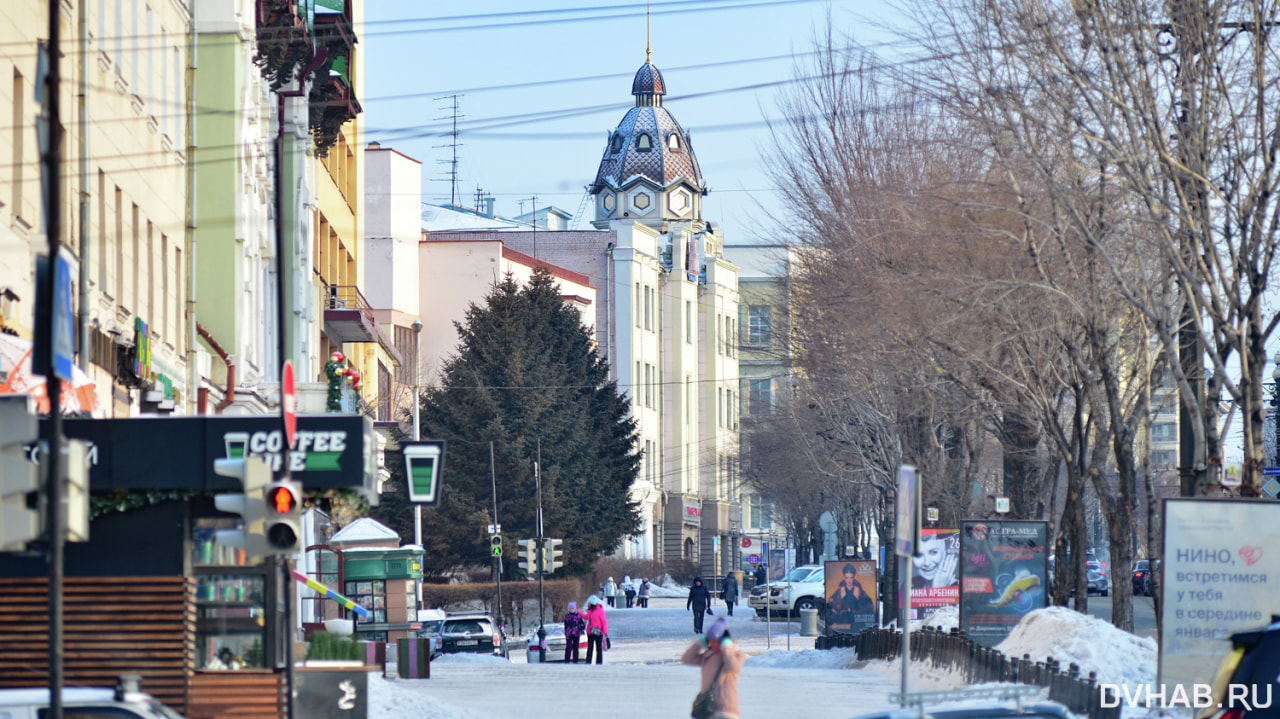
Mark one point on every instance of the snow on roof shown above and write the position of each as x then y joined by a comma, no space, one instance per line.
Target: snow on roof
440,219
364,531
1117,656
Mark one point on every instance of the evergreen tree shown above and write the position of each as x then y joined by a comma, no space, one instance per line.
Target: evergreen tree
525,377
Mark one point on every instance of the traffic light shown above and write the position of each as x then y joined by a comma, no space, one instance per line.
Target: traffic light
530,555
253,475
553,555
19,481
284,516
495,545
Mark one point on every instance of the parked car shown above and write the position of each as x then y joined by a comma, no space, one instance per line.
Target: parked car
1251,668
432,621
126,700
1142,577
803,588
556,642
471,633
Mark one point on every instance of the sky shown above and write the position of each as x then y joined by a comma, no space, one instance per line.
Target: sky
540,83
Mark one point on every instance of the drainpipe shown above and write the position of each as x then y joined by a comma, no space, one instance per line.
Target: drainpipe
229,360
83,288
608,308
193,380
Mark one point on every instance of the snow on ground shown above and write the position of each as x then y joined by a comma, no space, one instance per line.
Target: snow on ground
944,620
1117,656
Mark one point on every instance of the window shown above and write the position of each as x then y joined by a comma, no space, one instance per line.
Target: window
119,265
1164,432
644,143
648,385
638,304
761,513
673,141
1164,458
102,231
151,275
688,321
371,595
151,75
635,384
719,336
688,398
760,396
648,307
759,325
719,406
119,53
135,38
164,286
19,99
137,262
616,144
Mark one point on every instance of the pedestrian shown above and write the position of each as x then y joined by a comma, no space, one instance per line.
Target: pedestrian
597,629
643,594
730,591
611,592
762,577
700,602
574,625
721,664
629,590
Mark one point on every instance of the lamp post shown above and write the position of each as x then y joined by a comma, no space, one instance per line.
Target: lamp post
417,435
1275,410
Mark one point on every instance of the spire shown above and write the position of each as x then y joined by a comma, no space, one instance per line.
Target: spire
648,47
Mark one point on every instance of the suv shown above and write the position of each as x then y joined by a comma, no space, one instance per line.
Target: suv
471,633
803,588
126,700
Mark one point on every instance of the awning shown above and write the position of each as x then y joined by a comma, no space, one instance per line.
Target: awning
78,395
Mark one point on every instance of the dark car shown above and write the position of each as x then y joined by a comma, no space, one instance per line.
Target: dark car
471,633
994,703
1142,583
1252,664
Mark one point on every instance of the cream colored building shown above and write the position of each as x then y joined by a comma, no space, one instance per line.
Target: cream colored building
126,158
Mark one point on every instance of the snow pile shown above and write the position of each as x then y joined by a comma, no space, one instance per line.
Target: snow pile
805,659
667,587
1069,637
945,619
468,659
407,698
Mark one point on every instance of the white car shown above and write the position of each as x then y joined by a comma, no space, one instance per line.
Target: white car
124,701
803,588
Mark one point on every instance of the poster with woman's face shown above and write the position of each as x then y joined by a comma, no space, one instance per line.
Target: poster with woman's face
850,595
935,574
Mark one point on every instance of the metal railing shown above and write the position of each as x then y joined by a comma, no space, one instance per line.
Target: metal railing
979,663
347,297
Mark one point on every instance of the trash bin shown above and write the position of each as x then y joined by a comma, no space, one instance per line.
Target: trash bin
808,622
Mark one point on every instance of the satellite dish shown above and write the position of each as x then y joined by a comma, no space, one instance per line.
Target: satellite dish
827,521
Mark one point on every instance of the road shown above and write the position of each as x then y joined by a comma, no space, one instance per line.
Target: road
1144,614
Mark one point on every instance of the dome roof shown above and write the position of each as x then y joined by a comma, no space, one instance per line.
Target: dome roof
648,81
648,143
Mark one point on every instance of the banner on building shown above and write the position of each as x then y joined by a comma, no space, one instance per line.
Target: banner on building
852,600
1003,571
935,572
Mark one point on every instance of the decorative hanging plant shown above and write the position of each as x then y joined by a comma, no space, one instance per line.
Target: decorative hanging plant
334,369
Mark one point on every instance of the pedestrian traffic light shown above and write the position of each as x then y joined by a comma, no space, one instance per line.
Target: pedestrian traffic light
253,475
530,555
19,481
495,545
284,516
554,555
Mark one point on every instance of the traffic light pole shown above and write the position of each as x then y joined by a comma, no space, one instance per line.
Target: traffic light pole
497,561
542,629
285,571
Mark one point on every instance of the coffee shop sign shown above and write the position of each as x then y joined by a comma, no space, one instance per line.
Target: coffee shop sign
313,451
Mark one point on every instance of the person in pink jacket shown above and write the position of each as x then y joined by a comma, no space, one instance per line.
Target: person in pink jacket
597,628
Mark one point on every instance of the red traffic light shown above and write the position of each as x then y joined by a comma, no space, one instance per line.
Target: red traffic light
281,500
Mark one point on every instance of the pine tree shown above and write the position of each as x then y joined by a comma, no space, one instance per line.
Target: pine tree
525,376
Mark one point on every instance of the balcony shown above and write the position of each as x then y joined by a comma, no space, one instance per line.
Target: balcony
283,40
348,318
333,98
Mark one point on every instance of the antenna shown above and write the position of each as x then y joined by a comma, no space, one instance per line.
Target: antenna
648,48
452,174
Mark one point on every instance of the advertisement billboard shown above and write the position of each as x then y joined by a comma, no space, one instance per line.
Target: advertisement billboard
935,572
850,589
1003,572
1221,561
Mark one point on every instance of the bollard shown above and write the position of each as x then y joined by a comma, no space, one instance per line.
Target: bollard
413,658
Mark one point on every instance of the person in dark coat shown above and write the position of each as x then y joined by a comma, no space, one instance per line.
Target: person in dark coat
730,591
761,575
700,602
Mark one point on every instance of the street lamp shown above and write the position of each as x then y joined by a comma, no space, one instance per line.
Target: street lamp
1275,409
417,435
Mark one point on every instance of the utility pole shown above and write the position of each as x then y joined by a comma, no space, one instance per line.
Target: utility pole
542,598
51,183
497,561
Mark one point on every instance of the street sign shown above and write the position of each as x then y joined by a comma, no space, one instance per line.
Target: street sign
1271,471
423,461
753,559
289,404
907,528
1002,505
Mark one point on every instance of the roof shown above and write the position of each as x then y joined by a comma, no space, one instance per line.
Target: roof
364,531
436,218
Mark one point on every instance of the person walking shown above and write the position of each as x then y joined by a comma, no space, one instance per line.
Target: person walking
730,591
597,629
700,602
762,576
611,592
629,590
643,594
721,664
575,623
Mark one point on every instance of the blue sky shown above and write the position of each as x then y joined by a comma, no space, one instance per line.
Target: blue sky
517,61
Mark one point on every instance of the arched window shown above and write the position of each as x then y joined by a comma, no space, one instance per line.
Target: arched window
688,548
616,144
644,143
673,141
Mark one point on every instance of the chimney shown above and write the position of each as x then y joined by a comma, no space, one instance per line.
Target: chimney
375,145
488,207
